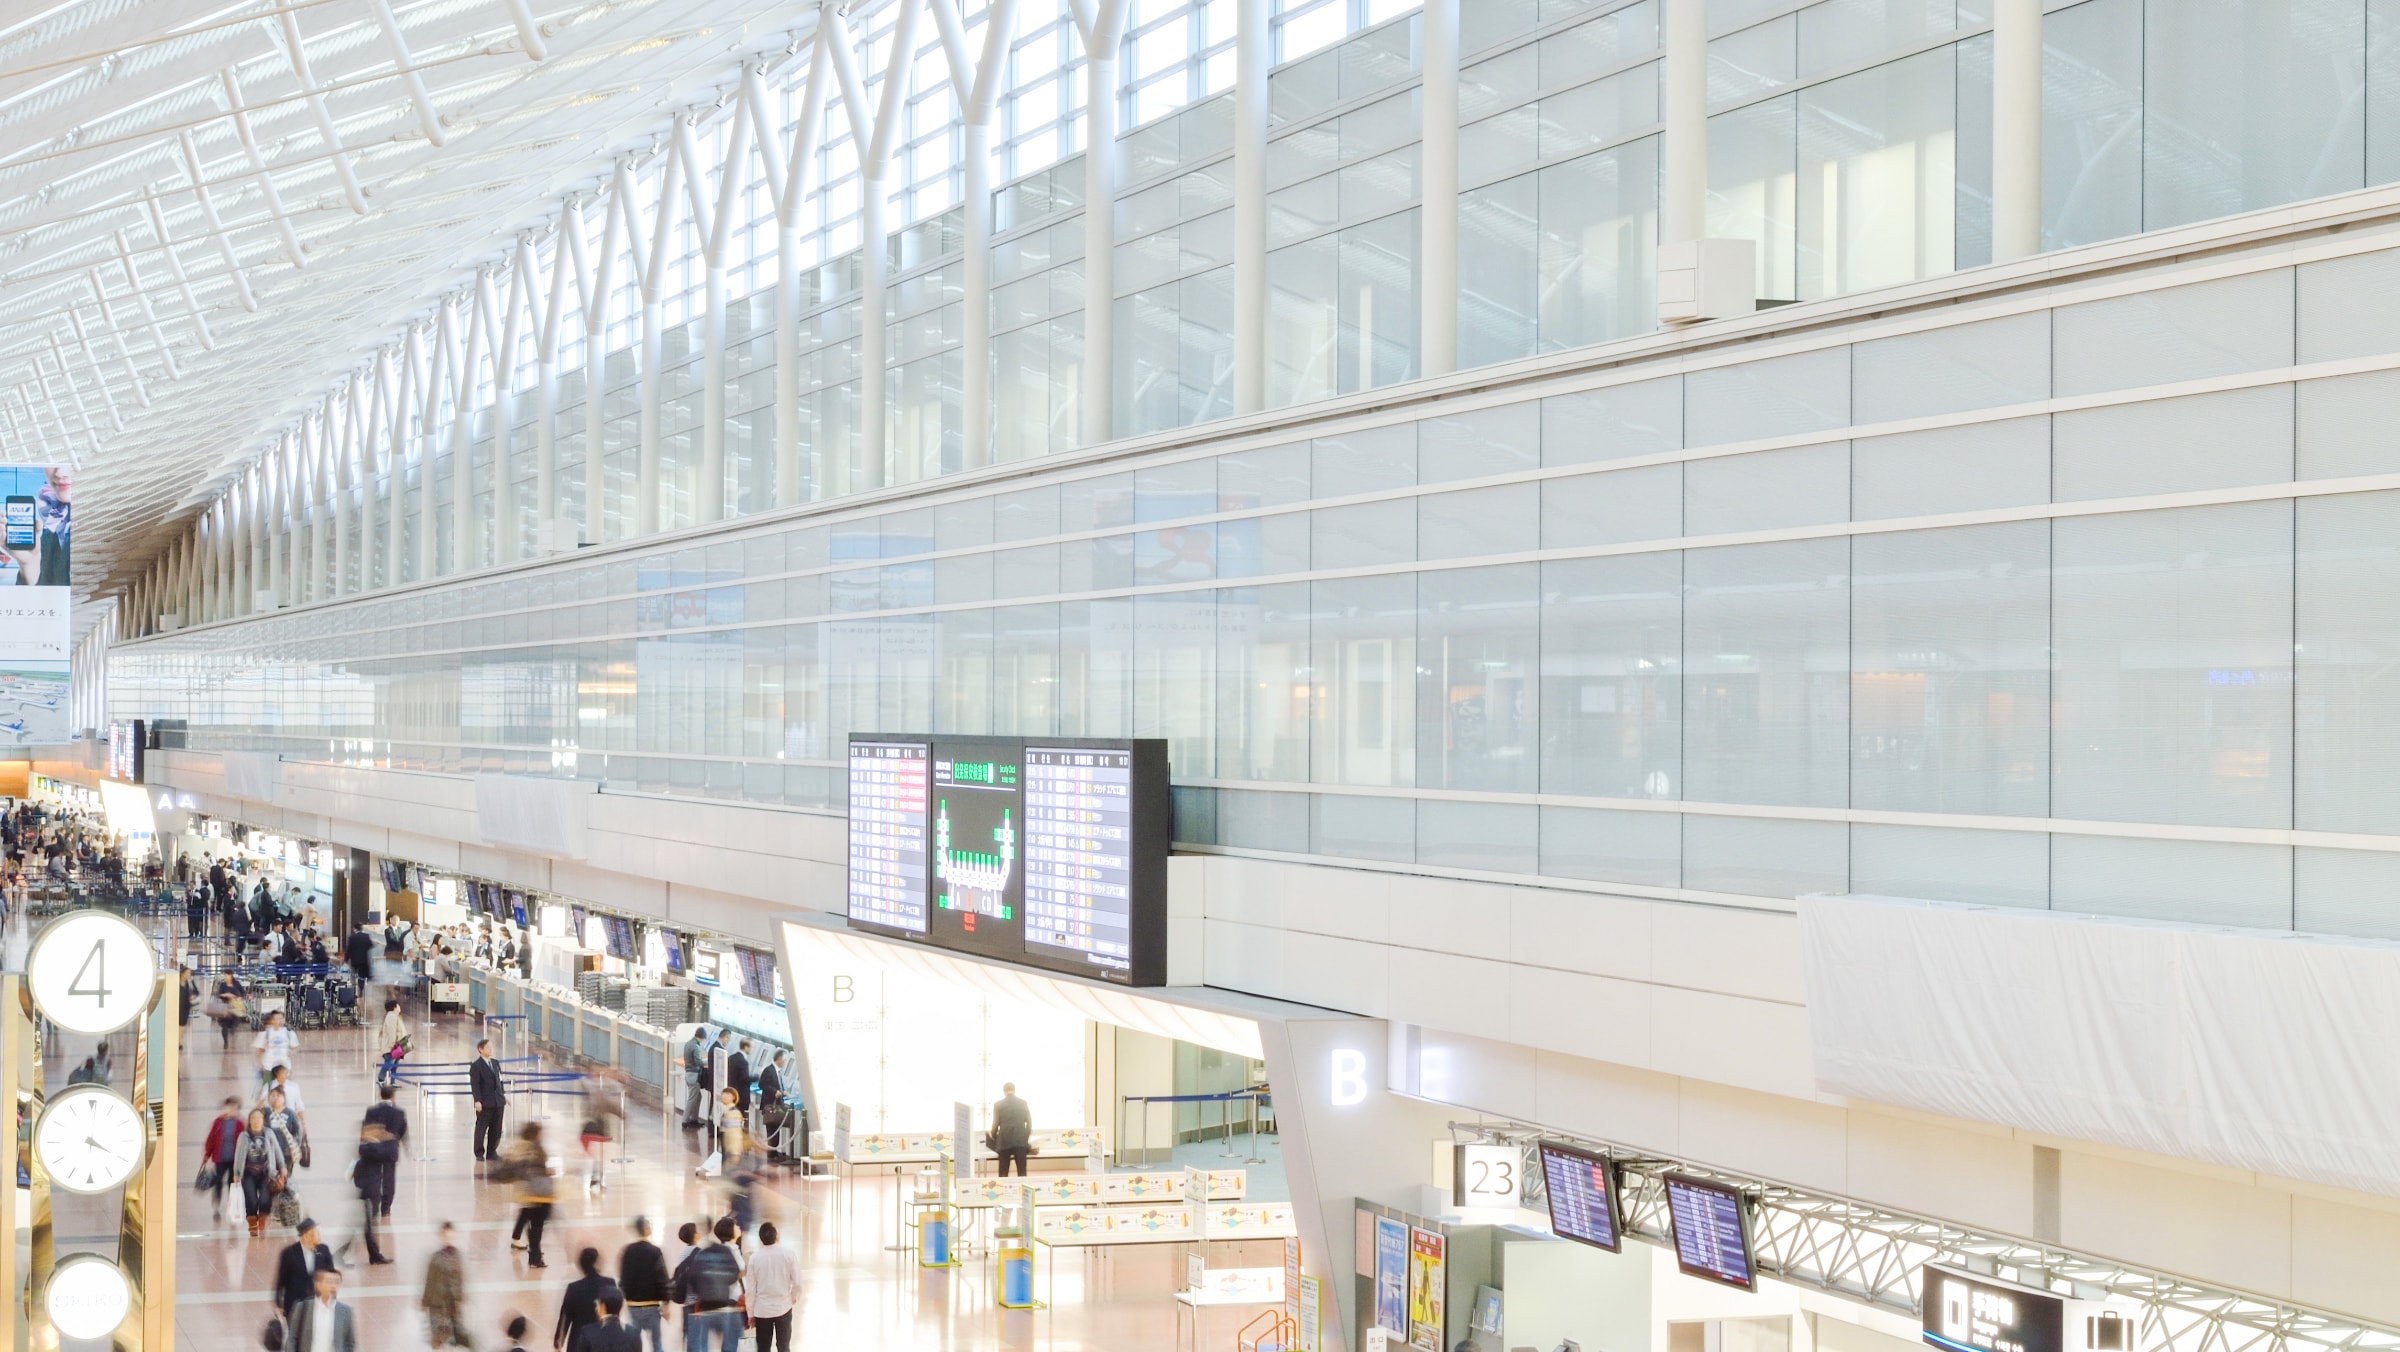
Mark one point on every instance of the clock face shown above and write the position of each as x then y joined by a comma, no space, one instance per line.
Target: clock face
92,972
89,1139
88,1297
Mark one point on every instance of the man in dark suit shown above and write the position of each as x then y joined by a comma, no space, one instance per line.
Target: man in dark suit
490,1100
359,951
385,1116
307,1319
610,1333
1012,1130
297,1268
737,1074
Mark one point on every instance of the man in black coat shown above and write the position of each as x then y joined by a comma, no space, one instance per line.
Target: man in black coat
386,1116
359,951
610,1333
296,1270
737,1074
490,1100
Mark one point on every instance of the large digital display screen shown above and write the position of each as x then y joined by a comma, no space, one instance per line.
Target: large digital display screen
1583,1196
1045,851
1968,1313
758,973
126,751
1712,1231
1078,853
620,937
888,784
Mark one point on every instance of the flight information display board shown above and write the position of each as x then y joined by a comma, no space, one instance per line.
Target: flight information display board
888,783
1050,851
1712,1231
1583,1195
1078,854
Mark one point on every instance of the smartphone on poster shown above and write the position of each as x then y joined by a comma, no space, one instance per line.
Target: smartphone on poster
22,528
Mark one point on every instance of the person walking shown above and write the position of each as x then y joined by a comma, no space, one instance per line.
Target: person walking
773,1282
642,1276
385,1116
280,1082
286,1124
263,1165
609,1333
737,1075
599,1131
527,1165
274,1044
713,1279
297,1266
218,1152
229,1005
392,1036
1012,1130
322,1322
445,1299
491,1100
374,1142
580,1307
195,913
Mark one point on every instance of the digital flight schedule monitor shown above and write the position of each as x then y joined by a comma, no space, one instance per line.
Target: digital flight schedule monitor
1046,851
1712,1231
1583,1196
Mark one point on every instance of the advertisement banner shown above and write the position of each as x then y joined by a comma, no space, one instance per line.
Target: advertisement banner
1425,1288
1391,1275
36,515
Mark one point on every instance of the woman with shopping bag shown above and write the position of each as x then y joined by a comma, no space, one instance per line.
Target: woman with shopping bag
264,1169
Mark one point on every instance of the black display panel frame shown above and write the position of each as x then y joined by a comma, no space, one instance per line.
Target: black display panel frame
1741,1211
127,761
1149,826
1609,1195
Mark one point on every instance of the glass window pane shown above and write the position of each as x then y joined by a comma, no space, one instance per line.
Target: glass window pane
1618,847
1951,469
1780,396
1612,706
2217,328
1766,662
1950,370
2250,105
1480,442
2343,309
1986,868
1761,857
2173,633
1477,640
1499,520
1950,696
1877,176
2197,882
1641,418
1613,509
2173,445
2092,126
1494,837
1363,647
1363,828
2347,646
1766,490
1753,182
2355,892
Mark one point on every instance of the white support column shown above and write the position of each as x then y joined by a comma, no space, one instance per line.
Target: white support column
545,382
504,408
1437,288
183,282
1103,25
978,89
413,365
1683,105
715,225
465,547
788,187
1253,45
345,453
370,477
321,526
877,129
281,522
429,438
597,277
653,336
216,227
2016,129
254,571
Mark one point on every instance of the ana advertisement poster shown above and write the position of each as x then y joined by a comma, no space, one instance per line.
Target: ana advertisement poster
36,534
1425,1289
1391,1275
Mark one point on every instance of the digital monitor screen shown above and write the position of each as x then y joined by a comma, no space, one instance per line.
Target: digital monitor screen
1712,1231
674,946
125,751
620,937
1583,1196
758,974
705,966
579,928
508,908
1050,853
888,784
1079,854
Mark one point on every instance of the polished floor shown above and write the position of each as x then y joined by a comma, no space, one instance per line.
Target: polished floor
857,1294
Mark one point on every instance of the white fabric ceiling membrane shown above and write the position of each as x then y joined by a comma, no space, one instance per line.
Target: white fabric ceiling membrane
345,195
2259,1050
1149,1011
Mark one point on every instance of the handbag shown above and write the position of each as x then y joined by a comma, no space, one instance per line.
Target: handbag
285,1208
207,1178
304,1155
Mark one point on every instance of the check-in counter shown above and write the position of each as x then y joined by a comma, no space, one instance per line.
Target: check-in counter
642,1053
598,1036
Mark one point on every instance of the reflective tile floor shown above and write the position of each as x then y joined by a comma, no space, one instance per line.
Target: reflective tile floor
857,1295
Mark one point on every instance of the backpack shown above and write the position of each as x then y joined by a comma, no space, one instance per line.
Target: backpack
712,1276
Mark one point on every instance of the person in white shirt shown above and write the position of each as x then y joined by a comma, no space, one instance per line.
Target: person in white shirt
773,1282
281,1078
274,1043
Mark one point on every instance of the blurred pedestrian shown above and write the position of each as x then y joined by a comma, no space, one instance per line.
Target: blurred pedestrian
580,1307
642,1276
445,1298
527,1166
773,1284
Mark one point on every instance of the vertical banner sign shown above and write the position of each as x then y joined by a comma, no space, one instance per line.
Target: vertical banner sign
1311,1316
1291,1278
1391,1275
841,1133
1426,1288
36,515
962,1139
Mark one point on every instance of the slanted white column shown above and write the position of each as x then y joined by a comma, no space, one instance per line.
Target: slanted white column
471,319
715,225
545,386
787,173
650,276
977,87
429,439
876,130
2016,129
1102,23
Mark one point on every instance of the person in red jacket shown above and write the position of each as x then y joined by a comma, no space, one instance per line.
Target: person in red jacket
216,1153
